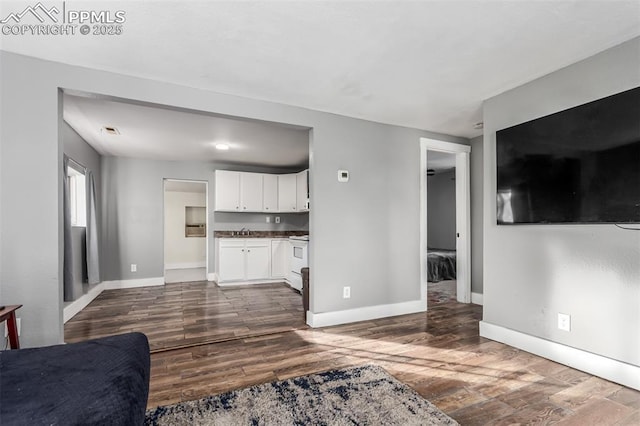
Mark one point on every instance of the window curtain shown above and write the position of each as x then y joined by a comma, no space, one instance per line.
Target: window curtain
68,253
93,257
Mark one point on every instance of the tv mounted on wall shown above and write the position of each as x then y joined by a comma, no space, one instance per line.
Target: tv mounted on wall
580,165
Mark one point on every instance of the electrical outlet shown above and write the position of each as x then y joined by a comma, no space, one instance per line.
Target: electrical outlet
268,219
277,219
134,267
346,292
564,322
6,327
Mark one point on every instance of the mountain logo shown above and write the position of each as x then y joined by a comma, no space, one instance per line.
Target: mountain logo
38,10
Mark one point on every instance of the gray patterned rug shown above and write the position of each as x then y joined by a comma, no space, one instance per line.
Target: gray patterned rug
365,395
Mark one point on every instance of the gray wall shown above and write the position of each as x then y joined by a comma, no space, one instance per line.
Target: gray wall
441,210
592,272
363,232
133,213
79,150
476,159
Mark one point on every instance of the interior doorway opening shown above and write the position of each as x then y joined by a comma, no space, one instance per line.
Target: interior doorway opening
445,246
185,231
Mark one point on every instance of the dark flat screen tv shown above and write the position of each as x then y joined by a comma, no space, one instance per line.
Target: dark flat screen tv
581,165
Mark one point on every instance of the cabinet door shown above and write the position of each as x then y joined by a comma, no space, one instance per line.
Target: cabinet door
270,193
302,190
287,193
227,190
251,192
279,258
231,263
258,259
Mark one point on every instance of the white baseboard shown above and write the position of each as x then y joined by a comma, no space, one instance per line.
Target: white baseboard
185,265
476,298
81,302
140,282
232,283
212,277
325,319
598,365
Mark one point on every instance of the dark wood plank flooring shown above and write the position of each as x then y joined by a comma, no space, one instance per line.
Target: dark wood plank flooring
439,354
185,314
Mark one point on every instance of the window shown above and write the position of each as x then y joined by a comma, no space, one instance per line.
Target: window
77,197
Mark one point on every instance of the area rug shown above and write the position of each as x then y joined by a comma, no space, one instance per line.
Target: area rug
366,395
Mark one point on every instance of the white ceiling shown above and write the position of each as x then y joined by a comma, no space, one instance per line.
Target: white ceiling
168,134
440,161
184,186
423,64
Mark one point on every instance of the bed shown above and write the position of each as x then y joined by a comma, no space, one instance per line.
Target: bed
441,265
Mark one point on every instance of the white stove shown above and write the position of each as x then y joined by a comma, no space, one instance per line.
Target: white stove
298,259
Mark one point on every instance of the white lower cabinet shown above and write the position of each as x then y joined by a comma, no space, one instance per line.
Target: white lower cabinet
279,258
243,259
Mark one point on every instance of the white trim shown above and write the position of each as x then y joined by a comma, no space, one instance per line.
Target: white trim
140,282
186,265
232,283
463,215
212,277
598,365
81,302
325,319
476,298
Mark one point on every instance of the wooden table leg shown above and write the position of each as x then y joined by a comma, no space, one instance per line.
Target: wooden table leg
13,331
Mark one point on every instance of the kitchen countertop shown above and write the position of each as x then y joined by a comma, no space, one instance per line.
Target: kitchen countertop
259,234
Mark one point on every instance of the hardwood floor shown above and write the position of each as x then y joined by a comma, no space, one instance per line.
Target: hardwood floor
474,380
184,314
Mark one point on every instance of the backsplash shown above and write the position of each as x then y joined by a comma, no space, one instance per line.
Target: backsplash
223,221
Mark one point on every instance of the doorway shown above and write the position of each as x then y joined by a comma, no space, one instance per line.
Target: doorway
462,236
185,231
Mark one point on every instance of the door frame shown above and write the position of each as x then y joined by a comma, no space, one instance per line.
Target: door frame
463,215
206,212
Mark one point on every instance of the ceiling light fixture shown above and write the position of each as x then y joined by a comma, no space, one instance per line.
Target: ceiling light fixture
222,147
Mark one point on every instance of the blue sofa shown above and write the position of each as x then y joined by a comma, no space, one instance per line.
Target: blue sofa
97,382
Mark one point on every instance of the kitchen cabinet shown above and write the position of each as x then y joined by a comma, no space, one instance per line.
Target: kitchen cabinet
280,249
261,192
258,258
243,259
302,191
270,193
231,260
287,194
227,190
238,191
251,192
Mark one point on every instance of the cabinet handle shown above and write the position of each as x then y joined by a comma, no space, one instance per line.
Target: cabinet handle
237,207
242,250
248,250
245,207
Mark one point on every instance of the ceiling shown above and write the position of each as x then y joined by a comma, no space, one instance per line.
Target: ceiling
440,161
159,133
423,64
184,186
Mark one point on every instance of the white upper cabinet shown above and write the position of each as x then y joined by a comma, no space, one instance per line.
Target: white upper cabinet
270,193
287,201
251,192
227,190
260,192
302,191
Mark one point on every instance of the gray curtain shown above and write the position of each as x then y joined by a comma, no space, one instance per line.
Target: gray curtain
68,253
93,258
